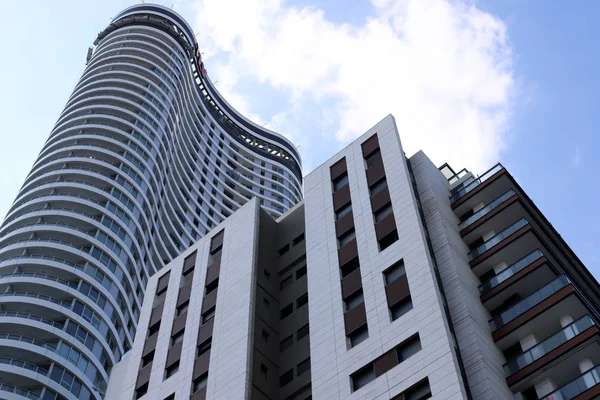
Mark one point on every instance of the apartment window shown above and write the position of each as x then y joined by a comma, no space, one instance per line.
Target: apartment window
200,382
182,308
286,378
401,308
285,283
388,240
142,390
172,370
287,310
300,333
378,187
170,397
203,347
178,337
346,238
147,359
207,316
153,329
408,348
362,377
340,182
349,267
286,343
343,211
373,158
358,336
212,286
298,239
303,367
284,249
396,271
302,300
353,300
301,272
383,212
420,391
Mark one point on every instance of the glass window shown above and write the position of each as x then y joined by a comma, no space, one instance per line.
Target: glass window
340,182
303,367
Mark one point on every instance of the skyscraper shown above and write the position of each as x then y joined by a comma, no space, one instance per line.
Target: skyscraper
145,159
393,279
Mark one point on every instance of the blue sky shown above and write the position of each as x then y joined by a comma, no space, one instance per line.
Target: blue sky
469,82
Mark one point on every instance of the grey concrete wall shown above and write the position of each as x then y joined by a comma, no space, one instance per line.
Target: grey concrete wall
332,362
482,360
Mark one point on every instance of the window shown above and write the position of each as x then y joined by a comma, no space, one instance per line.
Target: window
200,382
153,329
285,283
207,316
300,333
340,182
420,391
358,336
373,158
383,212
172,370
142,390
301,272
401,308
286,378
284,249
147,359
182,308
298,239
408,348
388,240
286,343
303,367
178,337
378,186
203,347
287,310
170,397
345,210
212,286
346,238
353,300
302,300
394,272
362,377
349,267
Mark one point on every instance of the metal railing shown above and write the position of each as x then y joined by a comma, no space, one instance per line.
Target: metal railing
24,364
22,392
32,295
42,276
55,324
528,302
30,340
577,386
491,242
461,191
510,271
486,210
546,346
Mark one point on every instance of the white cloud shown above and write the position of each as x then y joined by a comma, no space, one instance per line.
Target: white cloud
443,68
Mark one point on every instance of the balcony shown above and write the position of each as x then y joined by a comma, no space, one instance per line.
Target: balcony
493,205
529,302
586,385
498,242
550,349
468,187
509,272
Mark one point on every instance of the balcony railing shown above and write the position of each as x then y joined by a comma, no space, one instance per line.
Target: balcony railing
491,242
577,386
510,271
55,324
546,346
460,192
22,392
529,302
33,295
485,210
24,364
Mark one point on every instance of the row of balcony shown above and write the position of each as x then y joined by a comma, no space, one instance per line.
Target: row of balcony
542,323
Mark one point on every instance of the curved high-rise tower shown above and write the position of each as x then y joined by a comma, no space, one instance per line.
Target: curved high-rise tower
144,160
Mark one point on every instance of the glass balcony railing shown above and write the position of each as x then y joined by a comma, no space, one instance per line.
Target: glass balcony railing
485,210
491,242
529,302
461,191
22,392
546,346
574,388
510,271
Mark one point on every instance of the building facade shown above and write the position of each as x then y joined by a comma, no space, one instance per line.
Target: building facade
145,159
393,279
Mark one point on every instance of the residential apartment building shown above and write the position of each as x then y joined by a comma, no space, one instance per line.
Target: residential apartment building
393,279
